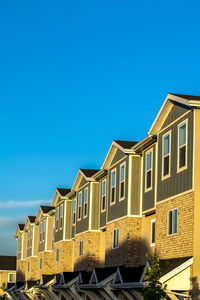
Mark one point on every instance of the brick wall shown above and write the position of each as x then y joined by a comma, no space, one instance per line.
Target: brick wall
91,251
180,244
130,243
66,257
21,270
33,273
47,263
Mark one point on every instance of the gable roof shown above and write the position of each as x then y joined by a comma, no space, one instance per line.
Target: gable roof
46,209
32,219
29,220
124,146
167,265
7,263
63,192
87,174
43,210
21,226
187,100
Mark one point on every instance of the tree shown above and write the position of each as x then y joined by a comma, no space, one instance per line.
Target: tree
153,288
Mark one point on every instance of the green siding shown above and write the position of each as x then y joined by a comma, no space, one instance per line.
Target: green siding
118,155
178,182
119,209
103,214
149,197
135,185
95,207
59,232
176,111
83,224
83,182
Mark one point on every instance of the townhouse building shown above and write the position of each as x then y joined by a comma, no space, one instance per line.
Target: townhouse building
144,198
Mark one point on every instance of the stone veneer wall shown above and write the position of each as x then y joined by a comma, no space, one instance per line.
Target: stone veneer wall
33,273
91,251
66,257
21,270
180,244
130,242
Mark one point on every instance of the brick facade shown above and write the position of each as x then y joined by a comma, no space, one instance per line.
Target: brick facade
66,257
33,273
129,251
180,244
91,251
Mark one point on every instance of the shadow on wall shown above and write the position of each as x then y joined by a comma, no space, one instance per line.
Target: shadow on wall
195,291
20,276
131,253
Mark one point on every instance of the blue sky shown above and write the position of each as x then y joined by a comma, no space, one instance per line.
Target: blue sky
74,75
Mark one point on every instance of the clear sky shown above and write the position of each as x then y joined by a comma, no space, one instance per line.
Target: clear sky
74,75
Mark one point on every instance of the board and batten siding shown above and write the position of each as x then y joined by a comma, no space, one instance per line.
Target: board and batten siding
148,199
103,214
119,209
95,206
135,182
178,182
83,223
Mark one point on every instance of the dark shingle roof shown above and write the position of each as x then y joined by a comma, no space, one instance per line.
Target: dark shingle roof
8,263
103,273
188,97
89,172
32,219
167,265
63,192
21,226
125,144
46,209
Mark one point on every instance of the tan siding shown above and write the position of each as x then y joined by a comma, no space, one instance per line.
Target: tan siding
95,206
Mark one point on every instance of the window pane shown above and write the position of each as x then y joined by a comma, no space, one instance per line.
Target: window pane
103,202
113,195
148,161
122,190
166,145
86,196
182,154
103,188
153,233
166,166
79,199
175,218
122,170
57,213
182,135
170,222
61,211
74,206
113,178
148,183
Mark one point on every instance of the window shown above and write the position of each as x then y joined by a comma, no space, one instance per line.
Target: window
57,254
172,221
19,244
57,217
113,186
28,239
61,216
28,266
166,145
44,227
153,228
148,171
103,195
40,231
182,146
80,248
74,211
85,202
40,263
31,237
122,182
11,277
116,238
79,205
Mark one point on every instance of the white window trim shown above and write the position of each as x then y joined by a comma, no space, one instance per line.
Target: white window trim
103,210
116,229
61,227
85,216
171,234
186,147
80,193
13,274
169,174
123,164
145,183
43,231
152,244
114,170
40,232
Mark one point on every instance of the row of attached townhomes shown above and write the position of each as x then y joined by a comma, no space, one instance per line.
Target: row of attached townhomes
91,243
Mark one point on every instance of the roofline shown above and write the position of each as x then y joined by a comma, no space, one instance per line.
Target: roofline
138,146
100,174
126,151
177,99
86,178
177,270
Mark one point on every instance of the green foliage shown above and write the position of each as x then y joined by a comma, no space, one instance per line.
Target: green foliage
153,288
